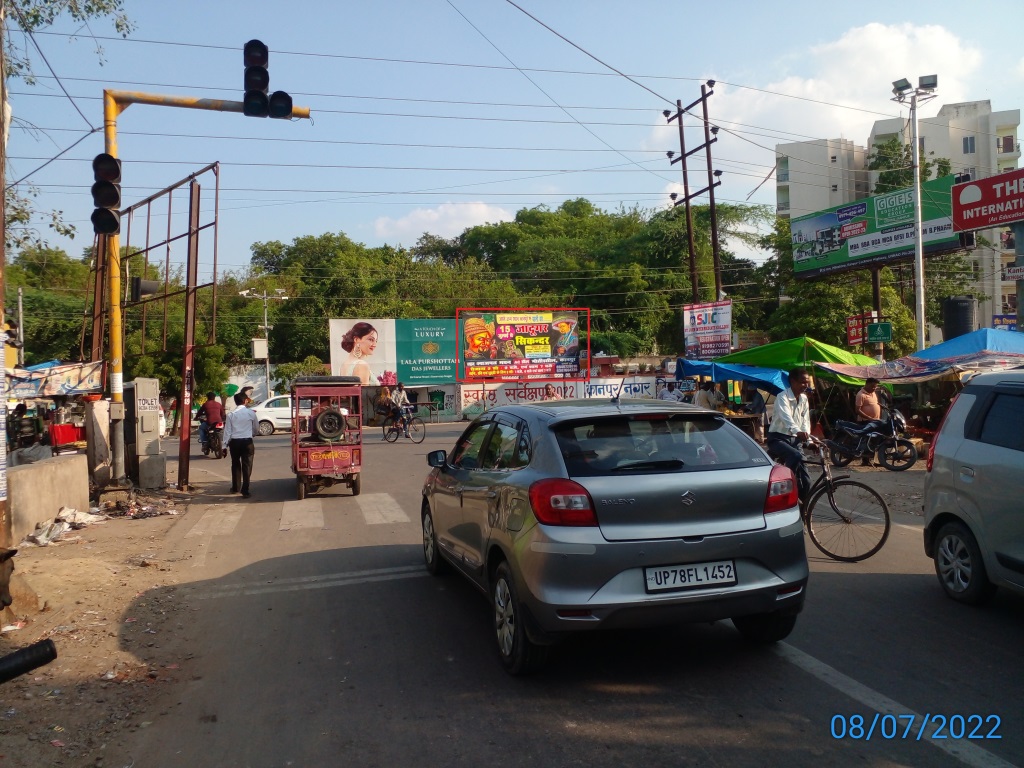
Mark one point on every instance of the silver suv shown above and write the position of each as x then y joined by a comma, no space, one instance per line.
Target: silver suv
974,517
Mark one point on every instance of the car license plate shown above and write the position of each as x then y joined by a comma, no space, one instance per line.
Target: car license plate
690,576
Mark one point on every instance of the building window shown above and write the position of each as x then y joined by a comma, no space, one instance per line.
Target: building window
975,268
968,145
1008,240
835,187
972,172
920,145
834,158
1007,144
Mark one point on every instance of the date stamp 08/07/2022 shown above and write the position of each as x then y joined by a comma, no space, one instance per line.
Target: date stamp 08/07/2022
905,727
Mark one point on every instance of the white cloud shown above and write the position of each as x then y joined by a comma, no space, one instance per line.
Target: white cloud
446,220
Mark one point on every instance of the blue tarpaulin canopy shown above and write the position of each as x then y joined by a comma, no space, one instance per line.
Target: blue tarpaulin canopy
770,379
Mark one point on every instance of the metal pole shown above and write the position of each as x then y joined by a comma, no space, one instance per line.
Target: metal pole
21,328
918,235
686,203
266,335
188,356
1018,252
716,259
5,519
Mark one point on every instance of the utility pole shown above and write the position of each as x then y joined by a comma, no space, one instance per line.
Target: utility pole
5,519
266,297
714,179
21,327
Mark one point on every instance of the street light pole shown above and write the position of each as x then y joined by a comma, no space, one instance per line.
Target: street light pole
266,326
925,91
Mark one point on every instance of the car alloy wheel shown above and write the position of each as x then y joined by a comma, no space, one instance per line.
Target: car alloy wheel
431,556
265,428
519,655
959,565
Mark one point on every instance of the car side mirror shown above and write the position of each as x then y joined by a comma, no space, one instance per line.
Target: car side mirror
437,458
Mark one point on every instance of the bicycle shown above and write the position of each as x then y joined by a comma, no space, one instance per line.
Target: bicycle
853,522
408,424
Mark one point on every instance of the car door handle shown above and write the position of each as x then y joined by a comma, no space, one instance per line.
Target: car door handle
491,494
967,471
458,489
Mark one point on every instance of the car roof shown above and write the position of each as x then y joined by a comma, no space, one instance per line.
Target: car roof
562,410
993,378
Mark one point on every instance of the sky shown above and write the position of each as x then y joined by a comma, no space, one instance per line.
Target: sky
431,116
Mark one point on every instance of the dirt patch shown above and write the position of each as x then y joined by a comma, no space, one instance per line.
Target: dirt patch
108,604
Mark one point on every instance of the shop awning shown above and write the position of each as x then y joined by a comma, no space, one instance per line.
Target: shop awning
771,379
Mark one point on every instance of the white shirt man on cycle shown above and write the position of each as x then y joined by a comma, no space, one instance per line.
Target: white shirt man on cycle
790,426
400,398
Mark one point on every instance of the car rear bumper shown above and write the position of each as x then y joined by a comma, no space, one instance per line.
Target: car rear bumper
577,582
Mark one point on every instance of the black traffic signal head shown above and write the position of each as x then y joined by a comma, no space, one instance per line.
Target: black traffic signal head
280,105
256,81
106,194
141,288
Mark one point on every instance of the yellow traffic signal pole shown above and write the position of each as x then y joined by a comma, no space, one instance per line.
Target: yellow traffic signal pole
114,103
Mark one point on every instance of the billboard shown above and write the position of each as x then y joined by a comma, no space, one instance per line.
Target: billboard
875,231
521,344
384,351
707,329
992,202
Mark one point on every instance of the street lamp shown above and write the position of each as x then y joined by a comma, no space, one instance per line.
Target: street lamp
902,91
266,297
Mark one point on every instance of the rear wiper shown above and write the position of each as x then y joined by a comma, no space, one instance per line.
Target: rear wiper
651,464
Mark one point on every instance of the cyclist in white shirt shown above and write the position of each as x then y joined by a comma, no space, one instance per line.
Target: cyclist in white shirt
790,426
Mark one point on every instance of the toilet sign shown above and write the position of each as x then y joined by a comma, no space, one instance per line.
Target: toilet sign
992,202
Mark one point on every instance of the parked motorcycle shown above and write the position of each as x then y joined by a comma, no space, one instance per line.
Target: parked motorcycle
884,437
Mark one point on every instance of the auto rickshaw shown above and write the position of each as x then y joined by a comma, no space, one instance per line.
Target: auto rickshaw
327,433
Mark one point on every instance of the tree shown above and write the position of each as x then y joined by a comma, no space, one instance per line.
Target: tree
286,373
30,16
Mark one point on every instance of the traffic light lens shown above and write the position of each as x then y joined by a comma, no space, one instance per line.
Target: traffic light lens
106,168
256,79
255,104
280,105
255,54
106,195
106,222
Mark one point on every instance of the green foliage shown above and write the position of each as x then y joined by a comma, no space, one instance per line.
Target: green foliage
896,163
286,373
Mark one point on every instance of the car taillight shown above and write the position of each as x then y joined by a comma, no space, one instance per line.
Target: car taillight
557,501
935,437
782,491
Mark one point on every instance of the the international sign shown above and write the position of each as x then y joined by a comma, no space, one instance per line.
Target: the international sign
879,333
992,202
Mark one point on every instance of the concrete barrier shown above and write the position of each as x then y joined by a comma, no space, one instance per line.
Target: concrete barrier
36,492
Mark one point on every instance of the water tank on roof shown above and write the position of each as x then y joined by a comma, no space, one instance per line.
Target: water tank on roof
958,316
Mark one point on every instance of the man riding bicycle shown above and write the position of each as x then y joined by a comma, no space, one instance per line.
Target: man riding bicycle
401,408
791,426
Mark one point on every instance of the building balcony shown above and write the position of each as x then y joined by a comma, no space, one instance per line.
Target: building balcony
1008,149
782,207
782,177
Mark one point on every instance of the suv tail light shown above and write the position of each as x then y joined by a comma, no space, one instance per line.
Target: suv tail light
782,490
557,501
935,437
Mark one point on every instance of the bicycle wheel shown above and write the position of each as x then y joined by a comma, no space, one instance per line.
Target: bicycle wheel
850,526
391,429
417,429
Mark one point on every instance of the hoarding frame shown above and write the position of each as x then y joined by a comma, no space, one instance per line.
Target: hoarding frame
583,373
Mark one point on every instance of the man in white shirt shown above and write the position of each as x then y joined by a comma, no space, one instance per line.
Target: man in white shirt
708,396
669,393
790,426
240,426
400,399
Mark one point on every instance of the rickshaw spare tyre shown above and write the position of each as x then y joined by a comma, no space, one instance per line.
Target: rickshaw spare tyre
329,424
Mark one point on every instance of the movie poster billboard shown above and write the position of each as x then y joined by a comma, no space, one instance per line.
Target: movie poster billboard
521,344
874,231
707,329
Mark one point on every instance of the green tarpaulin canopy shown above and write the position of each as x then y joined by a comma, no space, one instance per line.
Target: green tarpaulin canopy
800,352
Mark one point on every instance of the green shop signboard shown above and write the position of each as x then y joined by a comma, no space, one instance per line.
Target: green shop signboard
875,231
426,351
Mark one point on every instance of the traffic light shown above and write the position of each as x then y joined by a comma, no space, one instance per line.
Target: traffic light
141,288
106,194
255,101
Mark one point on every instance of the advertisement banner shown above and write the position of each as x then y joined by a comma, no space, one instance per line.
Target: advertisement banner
426,351
520,344
1004,322
364,348
878,230
992,202
707,329
71,379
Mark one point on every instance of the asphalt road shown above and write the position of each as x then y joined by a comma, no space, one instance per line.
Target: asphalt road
318,639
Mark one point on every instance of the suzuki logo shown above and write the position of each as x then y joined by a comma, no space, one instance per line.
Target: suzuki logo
688,498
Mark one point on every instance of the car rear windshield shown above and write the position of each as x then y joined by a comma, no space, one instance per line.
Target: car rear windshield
624,445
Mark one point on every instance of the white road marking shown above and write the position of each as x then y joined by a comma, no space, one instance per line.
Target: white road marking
219,521
966,752
323,581
380,509
308,513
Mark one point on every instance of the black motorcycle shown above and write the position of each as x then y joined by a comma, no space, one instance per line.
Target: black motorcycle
864,439
214,439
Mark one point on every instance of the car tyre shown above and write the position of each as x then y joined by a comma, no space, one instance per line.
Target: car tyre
266,428
436,564
519,655
765,628
959,565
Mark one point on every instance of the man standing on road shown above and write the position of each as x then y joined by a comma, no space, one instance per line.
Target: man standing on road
791,425
242,424
868,408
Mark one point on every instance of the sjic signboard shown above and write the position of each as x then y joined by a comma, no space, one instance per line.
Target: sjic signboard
992,202
707,329
856,325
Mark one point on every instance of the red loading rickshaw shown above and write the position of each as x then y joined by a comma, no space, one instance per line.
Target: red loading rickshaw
327,433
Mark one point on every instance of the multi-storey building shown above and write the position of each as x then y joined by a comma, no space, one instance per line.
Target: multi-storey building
815,175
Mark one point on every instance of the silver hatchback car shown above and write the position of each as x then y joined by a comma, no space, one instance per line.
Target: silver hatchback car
973,514
577,515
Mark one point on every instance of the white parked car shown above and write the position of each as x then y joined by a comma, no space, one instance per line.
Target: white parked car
274,413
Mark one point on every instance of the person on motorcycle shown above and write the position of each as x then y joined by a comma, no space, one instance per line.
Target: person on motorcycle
790,426
211,412
868,408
